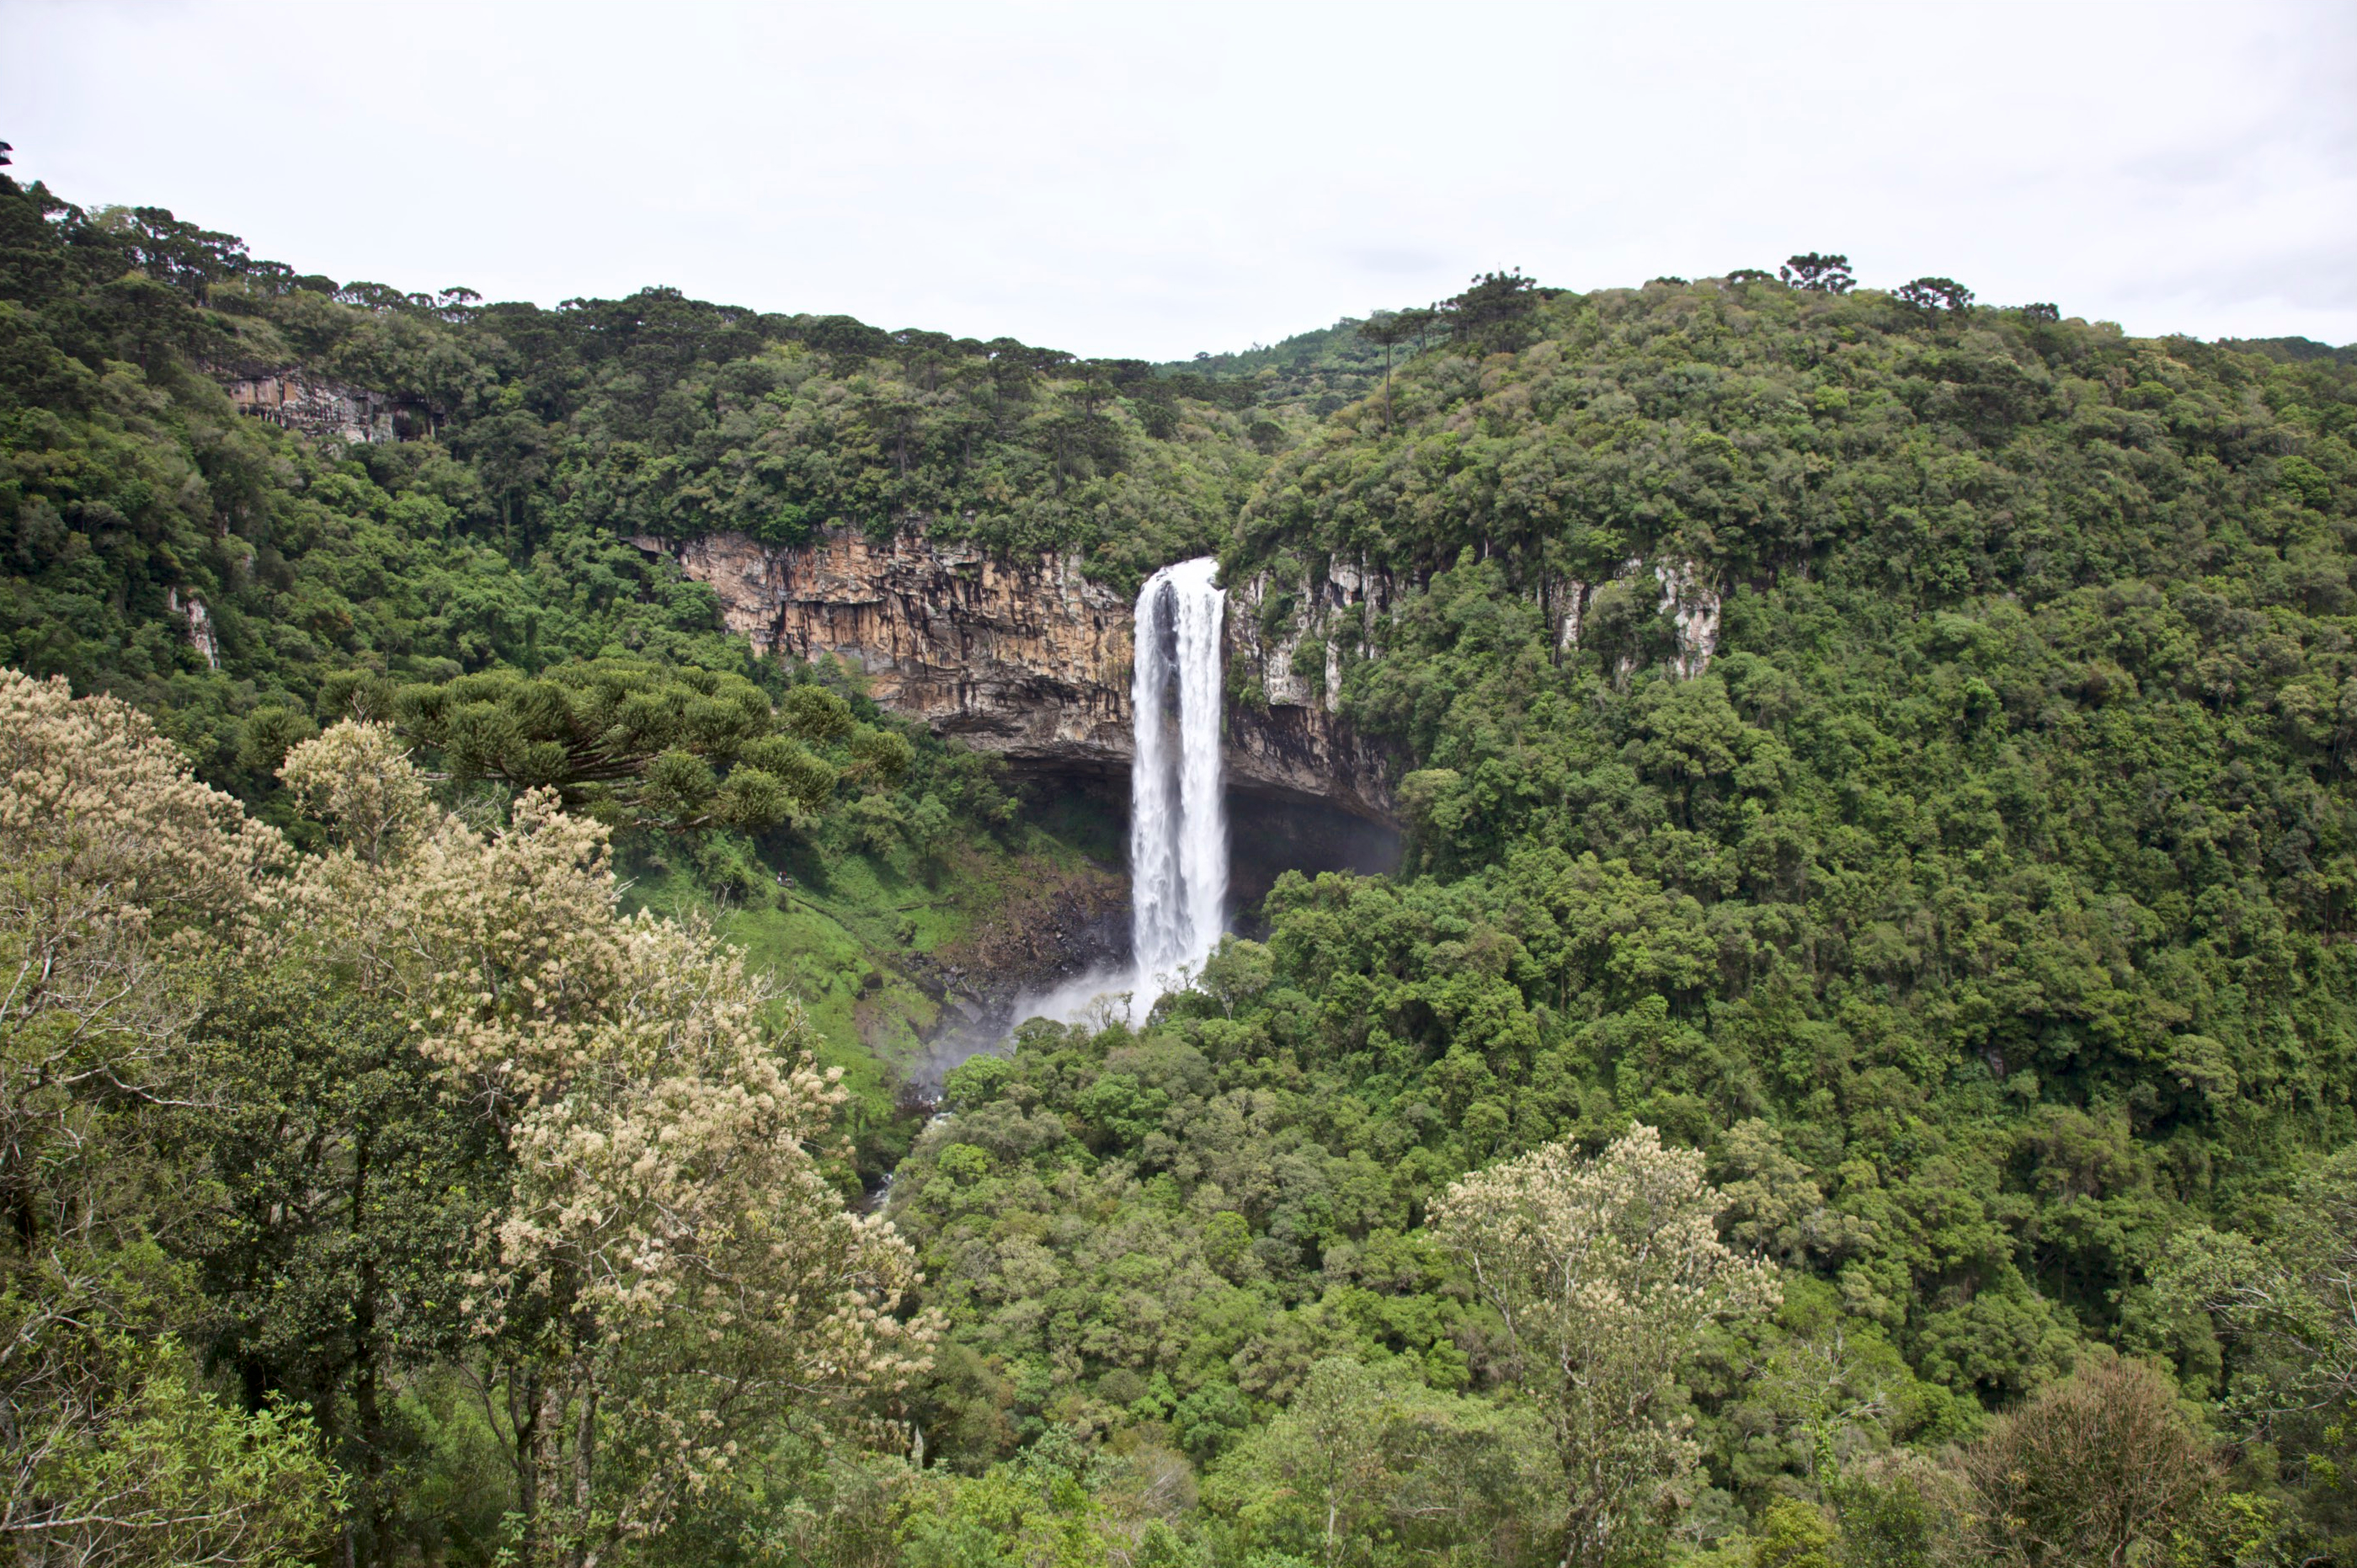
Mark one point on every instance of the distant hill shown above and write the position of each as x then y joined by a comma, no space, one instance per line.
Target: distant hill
2293,350
1319,371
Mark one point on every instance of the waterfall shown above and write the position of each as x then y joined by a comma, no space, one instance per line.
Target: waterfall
1177,824
1177,820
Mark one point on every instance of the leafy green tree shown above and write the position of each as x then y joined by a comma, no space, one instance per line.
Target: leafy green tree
631,743
152,1471
1900,1511
123,879
1365,1467
1817,273
1605,1273
351,1187
1039,1509
2284,1306
667,1271
1933,294
1494,313
1389,329
1794,1535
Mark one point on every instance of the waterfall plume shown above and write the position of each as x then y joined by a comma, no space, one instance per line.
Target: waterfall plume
1178,816
1177,824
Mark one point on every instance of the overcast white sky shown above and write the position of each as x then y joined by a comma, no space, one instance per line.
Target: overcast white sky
1147,180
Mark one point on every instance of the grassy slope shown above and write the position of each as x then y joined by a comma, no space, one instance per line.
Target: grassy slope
860,938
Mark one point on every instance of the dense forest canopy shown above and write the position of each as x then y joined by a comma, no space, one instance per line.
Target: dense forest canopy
1879,1094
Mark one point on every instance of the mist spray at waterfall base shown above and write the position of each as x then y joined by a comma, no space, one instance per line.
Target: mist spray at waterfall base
1178,818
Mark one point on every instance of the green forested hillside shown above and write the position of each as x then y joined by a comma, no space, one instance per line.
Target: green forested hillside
1321,369
1883,1098
333,577
1983,913
548,438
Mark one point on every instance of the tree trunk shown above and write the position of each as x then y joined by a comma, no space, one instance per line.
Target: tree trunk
585,1448
547,1464
527,1444
366,1409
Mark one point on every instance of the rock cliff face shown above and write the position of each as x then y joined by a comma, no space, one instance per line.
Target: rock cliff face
201,625
1686,598
302,402
1027,657
1285,660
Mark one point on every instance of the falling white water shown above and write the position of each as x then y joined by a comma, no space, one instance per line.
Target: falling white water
1177,821
1178,830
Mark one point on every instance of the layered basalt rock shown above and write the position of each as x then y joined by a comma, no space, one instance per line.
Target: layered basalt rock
1027,657
1286,644
300,401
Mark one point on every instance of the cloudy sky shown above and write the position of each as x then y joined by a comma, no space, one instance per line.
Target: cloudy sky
1145,179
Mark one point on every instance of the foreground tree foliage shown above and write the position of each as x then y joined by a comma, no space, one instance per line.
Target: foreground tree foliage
651,1268
2276,1315
122,878
144,1468
1370,1466
669,1260
2090,1470
1604,1275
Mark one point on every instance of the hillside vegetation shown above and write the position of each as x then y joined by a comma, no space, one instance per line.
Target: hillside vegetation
1884,1097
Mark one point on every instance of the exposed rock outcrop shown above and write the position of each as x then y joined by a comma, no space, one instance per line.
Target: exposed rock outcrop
1688,599
301,401
1027,657
1695,606
1285,723
201,625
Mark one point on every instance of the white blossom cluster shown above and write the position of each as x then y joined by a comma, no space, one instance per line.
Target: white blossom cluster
669,1269
1607,1273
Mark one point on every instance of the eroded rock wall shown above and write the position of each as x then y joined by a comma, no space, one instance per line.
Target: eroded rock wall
1027,657
1285,643
1688,597
300,401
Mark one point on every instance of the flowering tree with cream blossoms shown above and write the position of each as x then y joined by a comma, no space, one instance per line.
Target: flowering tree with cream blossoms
669,1273
117,867
1607,1273
120,877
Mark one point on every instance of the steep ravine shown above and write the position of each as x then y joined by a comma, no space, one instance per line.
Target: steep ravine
1027,657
